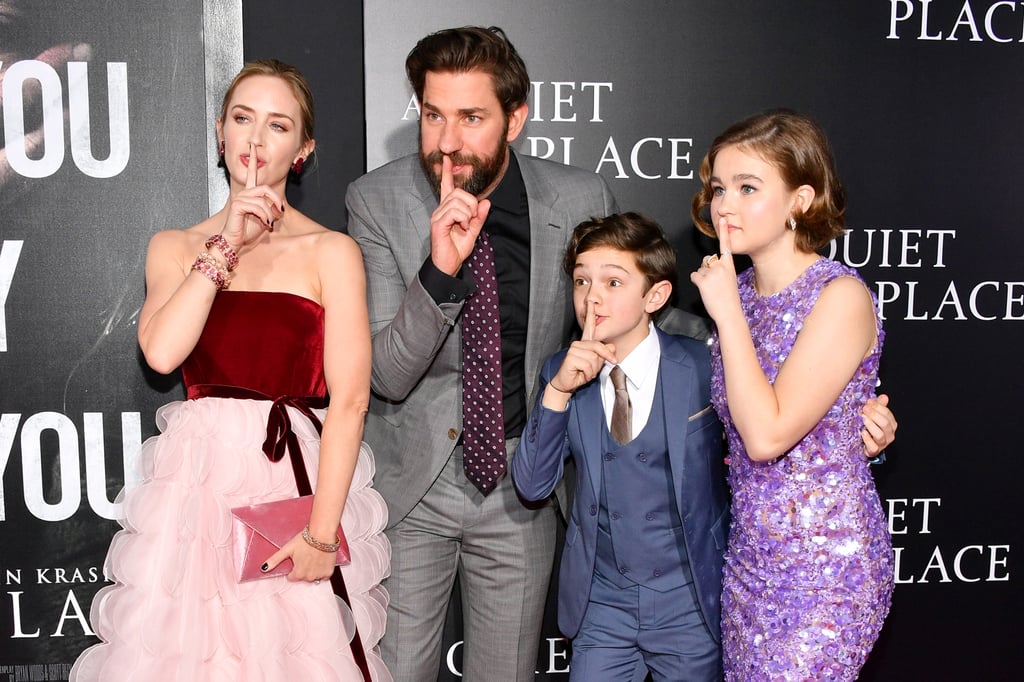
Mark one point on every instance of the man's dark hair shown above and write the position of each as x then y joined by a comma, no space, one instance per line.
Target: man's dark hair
471,48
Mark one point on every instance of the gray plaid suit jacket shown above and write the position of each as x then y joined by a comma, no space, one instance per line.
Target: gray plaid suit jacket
415,416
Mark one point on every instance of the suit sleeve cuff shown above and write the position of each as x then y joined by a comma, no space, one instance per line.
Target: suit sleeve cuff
443,288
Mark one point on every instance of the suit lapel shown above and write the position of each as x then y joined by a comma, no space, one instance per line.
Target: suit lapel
677,374
421,210
589,417
550,305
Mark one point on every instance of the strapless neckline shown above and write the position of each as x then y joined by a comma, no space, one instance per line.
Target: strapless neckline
300,297
267,341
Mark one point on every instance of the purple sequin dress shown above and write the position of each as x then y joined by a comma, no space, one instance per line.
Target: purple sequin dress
808,574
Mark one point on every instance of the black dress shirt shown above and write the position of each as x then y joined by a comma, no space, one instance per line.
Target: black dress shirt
508,227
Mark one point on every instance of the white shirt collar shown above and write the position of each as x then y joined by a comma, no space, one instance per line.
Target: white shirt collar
641,365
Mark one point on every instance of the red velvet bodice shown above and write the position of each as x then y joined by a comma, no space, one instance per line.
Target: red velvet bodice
269,342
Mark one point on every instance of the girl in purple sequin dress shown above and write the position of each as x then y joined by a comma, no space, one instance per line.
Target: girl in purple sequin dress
808,576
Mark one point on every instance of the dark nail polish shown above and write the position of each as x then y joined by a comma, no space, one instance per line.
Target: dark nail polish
265,567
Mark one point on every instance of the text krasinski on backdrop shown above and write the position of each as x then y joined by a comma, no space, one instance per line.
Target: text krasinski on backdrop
25,627
42,427
916,249
20,75
967,564
1001,21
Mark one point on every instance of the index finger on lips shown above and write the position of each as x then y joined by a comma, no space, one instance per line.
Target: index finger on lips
724,240
250,168
447,179
589,322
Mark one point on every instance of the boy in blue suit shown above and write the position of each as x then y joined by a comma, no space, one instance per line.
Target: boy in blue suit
641,571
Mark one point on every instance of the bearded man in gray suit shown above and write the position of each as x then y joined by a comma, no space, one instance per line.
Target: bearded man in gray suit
417,220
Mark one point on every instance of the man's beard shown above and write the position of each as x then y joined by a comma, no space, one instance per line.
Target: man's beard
485,169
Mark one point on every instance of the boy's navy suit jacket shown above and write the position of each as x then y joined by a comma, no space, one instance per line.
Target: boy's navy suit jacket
695,455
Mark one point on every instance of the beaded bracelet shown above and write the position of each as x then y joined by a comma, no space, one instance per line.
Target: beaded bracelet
322,546
230,255
209,267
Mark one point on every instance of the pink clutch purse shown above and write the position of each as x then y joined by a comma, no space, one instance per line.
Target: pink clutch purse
259,530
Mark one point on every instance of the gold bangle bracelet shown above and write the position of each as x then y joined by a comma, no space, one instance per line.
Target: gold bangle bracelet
322,546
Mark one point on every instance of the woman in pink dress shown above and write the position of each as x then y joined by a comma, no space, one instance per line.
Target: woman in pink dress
267,320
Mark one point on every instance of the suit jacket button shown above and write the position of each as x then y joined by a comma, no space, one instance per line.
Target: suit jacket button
657,573
649,516
643,457
452,434
615,516
593,509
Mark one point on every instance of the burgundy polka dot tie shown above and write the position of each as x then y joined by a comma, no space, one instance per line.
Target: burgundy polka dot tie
483,419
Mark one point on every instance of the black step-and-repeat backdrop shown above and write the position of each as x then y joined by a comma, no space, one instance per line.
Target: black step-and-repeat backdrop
105,140
922,100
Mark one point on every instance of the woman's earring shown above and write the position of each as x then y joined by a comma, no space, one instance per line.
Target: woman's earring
792,223
297,166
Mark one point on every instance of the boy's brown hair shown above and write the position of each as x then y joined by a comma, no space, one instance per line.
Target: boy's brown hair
629,232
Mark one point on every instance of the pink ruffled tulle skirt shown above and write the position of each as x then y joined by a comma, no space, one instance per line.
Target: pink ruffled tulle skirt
176,610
